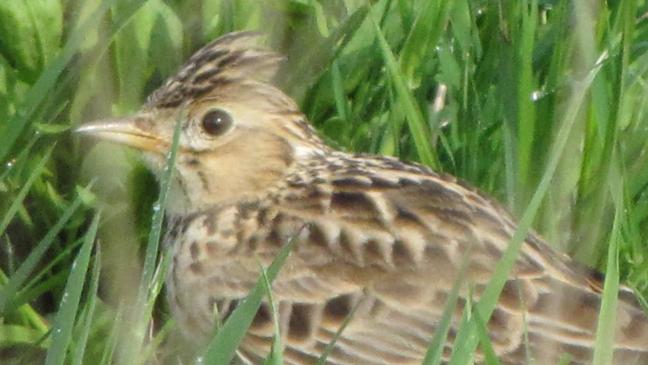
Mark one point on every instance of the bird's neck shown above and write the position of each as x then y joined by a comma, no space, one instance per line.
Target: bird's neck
241,171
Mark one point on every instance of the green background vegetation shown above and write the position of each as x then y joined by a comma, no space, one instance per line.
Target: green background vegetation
541,104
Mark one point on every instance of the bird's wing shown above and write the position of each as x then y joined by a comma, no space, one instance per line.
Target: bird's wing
388,238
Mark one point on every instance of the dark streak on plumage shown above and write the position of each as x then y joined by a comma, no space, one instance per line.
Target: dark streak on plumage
274,239
285,154
230,59
441,192
434,250
373,250
345,243
203,180
485,217
337,309
404,216
247,208
226,308
457,216
196,267
209,222
216,59
262,318
174,271
194,251
352,203
262,216
401,254
205,57
198,91
351,183
317,236
300,325
193,162
206,75
406,182
253,243
492,248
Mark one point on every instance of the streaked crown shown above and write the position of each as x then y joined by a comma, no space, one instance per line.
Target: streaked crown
233,58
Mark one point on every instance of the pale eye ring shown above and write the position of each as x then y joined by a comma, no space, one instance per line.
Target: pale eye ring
216,122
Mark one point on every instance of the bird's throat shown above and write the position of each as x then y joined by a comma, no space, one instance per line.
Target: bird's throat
240,171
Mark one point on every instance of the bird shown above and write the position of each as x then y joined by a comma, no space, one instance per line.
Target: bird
379,242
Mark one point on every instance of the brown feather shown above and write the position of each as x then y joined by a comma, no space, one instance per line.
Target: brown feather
396,250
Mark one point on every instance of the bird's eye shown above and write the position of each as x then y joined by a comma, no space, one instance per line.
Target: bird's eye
216,122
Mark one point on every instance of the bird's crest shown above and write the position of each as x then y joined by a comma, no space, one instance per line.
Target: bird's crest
231,58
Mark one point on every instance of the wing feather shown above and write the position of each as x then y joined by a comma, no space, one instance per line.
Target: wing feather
384,241
409,229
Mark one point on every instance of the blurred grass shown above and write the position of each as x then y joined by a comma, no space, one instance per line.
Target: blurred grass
540,103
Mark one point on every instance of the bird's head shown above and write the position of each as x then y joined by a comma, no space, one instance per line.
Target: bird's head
238,133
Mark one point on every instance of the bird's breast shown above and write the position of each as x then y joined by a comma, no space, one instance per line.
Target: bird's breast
216,258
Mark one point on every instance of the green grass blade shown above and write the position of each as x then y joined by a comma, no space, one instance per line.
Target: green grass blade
82,340
33,318
8,293
341,103
65,317
435,349
275,357
525,107
415,120
45,270
21,159
20,197
111,342
223,347
329,347
424,34
46,82
145,299
323,53
604,344
152,246
34,291
489,353
15,334
467,339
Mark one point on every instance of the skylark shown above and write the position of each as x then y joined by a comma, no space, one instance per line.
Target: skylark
383,238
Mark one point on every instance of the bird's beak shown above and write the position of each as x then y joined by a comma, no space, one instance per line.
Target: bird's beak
126,131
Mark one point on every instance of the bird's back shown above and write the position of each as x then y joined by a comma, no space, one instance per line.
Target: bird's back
382,241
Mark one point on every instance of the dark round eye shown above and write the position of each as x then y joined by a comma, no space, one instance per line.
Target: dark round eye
216,122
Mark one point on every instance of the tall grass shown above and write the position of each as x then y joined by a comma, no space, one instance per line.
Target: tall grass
541,104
